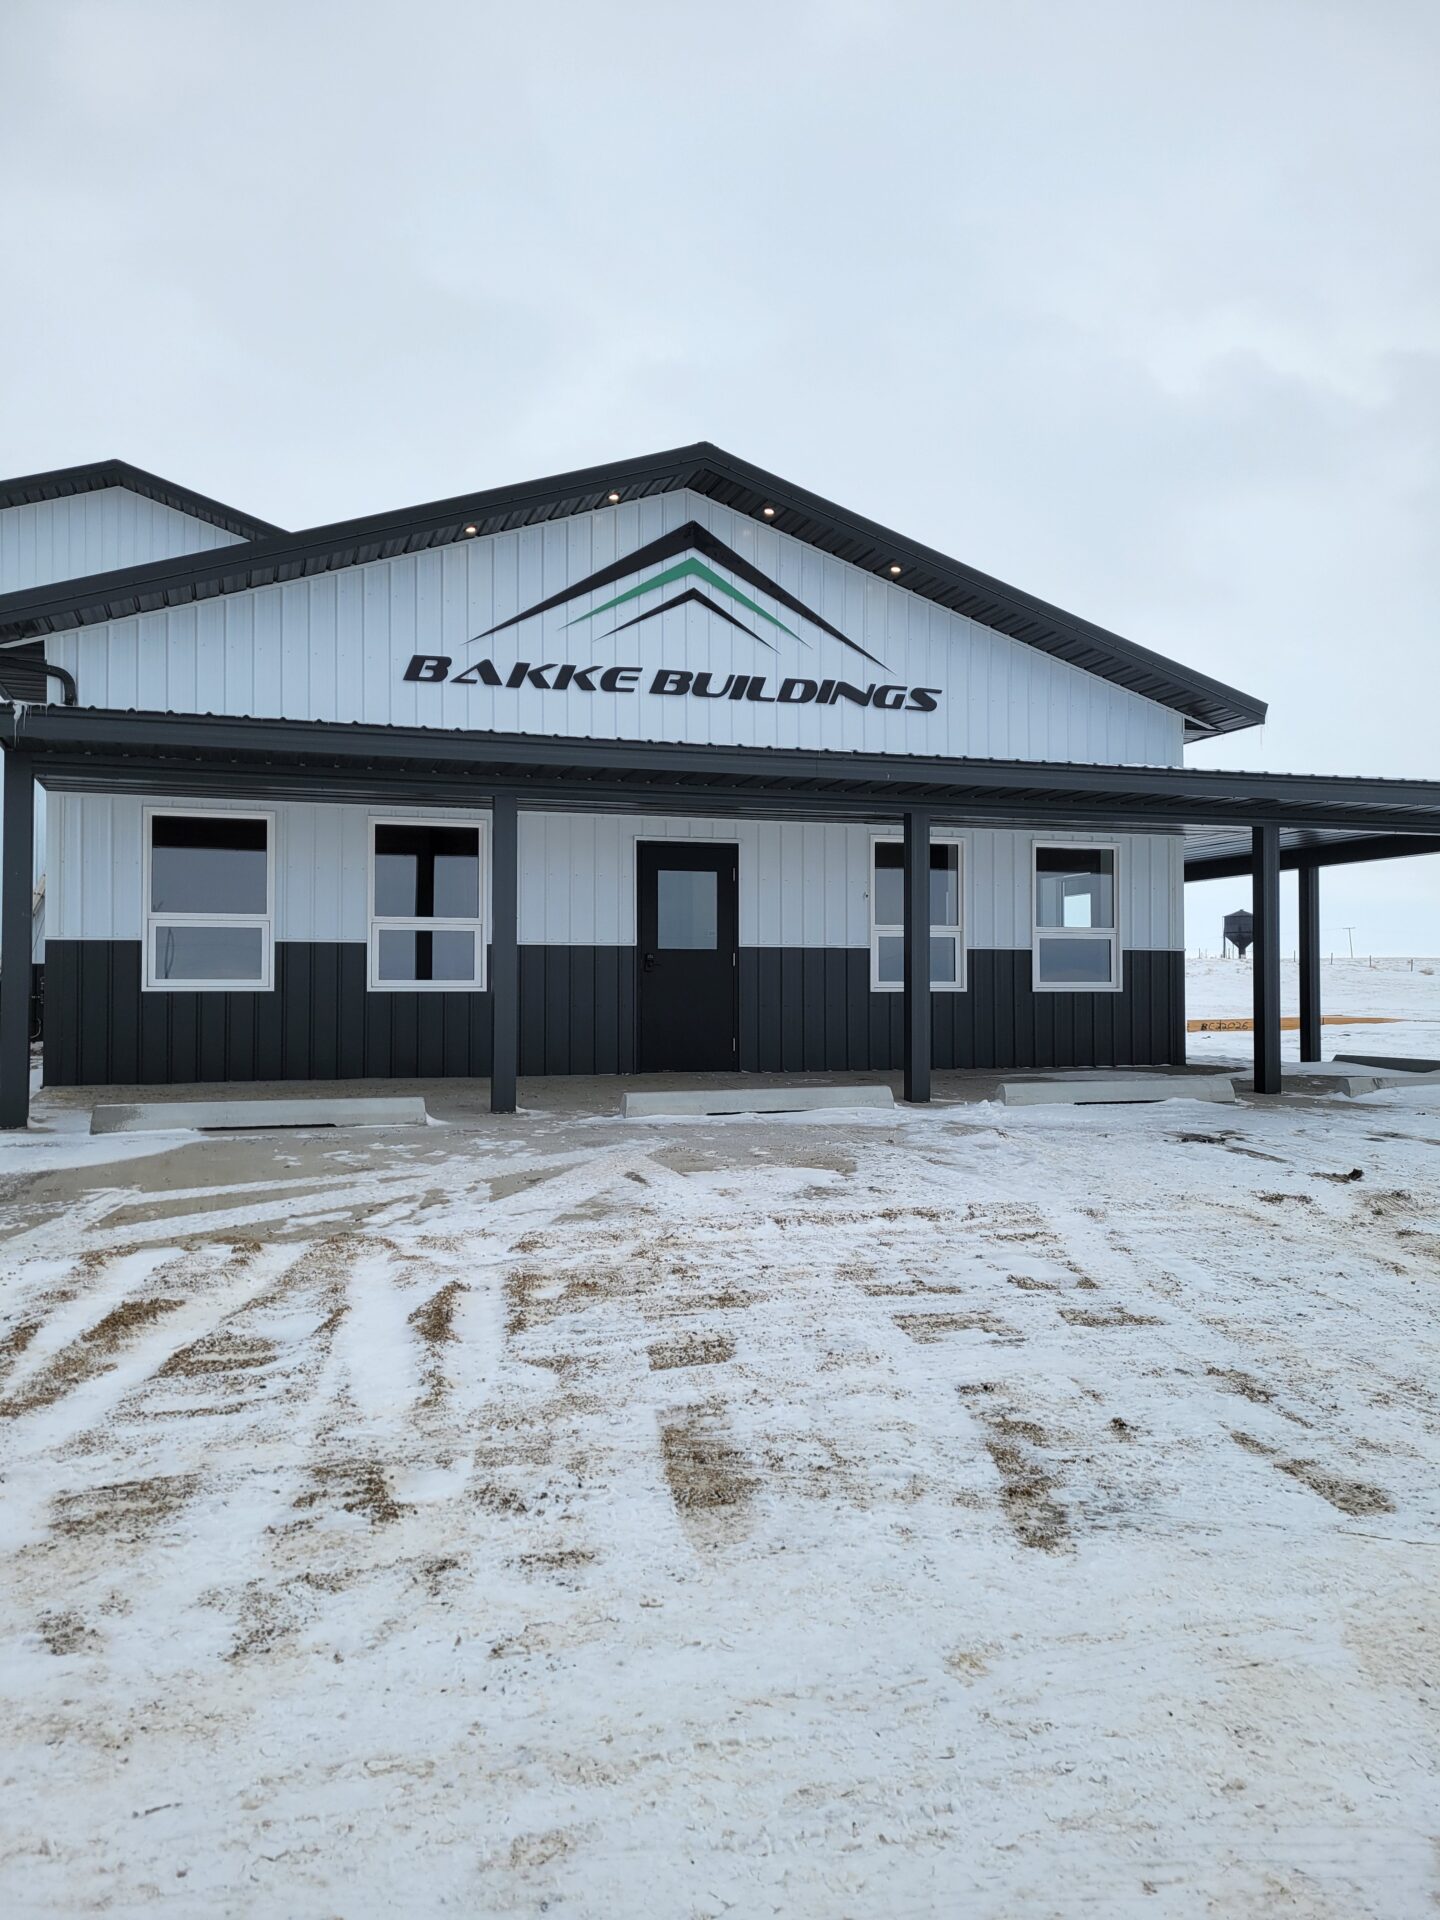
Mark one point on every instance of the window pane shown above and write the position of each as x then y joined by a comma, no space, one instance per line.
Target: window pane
1081,963
427,873
686,908
412,954
942,962
207,863
889,883
188,952
1074,887
891,970
944,885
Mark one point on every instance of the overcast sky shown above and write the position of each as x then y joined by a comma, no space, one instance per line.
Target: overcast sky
1134,304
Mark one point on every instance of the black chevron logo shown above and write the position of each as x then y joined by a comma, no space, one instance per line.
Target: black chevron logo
698,545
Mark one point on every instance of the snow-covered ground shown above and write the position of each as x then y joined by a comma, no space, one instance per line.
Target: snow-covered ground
1404,994
973,1512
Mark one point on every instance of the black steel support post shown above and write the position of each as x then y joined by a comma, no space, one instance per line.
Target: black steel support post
17,898
504,956
1308,877
1265,905
917,956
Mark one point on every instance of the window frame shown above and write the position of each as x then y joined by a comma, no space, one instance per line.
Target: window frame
957,933
1112,934
412,923
150,919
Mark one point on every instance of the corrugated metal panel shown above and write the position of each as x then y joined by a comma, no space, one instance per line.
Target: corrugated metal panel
335,648
87,533
802,884
801,1009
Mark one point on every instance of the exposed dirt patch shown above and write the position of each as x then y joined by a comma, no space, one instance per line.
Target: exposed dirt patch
16,1339
435,1321
125,1509
219,1353
95,1351
968,1663
1107,1317
560,1560
925,1328
1028,1283
1341,1179
692,1350
66,1632
1355,1497
1026,1483
355,1486
1233,1380
705,1470
1287,1199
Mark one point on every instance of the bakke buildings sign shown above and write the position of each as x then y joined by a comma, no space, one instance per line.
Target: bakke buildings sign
690,549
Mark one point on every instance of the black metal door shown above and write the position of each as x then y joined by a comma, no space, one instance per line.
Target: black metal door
687,917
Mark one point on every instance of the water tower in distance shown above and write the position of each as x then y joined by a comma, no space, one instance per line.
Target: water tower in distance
1239,931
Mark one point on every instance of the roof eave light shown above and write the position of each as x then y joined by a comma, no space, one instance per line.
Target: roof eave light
472,529
769,512
895,568
613,498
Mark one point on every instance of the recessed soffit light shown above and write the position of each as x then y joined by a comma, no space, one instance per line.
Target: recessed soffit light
613,498
895,566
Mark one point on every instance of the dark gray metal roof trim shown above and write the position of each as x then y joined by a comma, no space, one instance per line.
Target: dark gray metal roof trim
100,749
25,489
1208,706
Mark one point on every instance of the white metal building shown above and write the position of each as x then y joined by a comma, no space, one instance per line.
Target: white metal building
668,765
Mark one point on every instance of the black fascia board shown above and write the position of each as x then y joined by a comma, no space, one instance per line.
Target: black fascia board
135,746
1208,706
61,482
1349,849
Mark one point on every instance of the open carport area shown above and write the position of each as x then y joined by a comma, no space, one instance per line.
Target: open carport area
953,1509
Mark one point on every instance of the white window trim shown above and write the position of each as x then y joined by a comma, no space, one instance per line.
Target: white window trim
960,983
149,919
405,923
1116,982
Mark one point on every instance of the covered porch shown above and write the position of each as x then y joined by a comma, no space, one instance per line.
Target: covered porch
1234,823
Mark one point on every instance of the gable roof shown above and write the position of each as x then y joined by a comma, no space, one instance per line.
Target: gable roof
26,488
1208,705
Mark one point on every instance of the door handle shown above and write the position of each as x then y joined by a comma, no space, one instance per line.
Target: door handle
648,963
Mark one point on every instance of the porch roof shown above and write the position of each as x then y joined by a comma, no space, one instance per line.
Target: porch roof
1324,819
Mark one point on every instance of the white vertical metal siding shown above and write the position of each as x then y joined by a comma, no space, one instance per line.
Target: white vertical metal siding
335,648
86,533
802,883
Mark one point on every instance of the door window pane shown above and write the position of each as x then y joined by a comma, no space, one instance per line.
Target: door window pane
1081,963
687,911
414,953
427,873
184,951
1074,887
207,863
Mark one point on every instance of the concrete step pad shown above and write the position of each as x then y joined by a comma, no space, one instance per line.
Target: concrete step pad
1118,1090
702,1100
238,1116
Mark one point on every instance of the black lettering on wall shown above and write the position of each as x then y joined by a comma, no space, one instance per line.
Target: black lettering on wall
671,680
924,699
797,692
428,666
619,679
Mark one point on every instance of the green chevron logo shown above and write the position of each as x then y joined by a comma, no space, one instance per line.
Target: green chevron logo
687,570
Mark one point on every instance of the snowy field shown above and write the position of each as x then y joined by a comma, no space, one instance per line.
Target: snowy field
1405,994
968,1513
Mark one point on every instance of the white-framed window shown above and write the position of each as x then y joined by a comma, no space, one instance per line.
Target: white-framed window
209,906
887,914
428,886
1076,896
